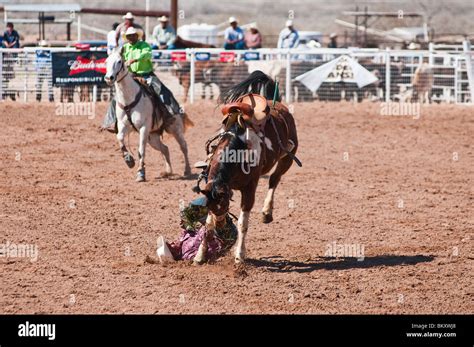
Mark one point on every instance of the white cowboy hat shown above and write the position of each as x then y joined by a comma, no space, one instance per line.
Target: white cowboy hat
129,15
313,44
289,23
253,26
163,19
163,252
333,35
131,31
232,20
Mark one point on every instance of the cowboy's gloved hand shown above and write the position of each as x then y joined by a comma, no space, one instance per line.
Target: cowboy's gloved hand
130,62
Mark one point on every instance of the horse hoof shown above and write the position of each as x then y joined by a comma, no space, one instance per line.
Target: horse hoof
129,160
267,218
198,262
239,260
187,173
140,176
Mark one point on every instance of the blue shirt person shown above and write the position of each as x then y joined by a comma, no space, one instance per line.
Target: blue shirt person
289,37
11,38
234,36
164,35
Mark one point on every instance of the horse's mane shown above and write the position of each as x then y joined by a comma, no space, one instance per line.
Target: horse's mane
257,82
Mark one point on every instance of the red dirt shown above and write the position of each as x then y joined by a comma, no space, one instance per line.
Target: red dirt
71,194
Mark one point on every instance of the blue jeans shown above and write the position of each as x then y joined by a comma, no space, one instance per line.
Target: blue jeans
238,45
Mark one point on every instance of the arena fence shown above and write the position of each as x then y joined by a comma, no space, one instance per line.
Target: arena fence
195,74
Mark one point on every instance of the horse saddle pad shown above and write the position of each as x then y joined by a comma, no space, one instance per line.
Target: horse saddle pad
253,107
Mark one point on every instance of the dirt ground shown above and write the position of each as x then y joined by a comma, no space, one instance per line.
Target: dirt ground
399,187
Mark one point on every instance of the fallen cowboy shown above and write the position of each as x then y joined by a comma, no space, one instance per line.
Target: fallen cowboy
193,230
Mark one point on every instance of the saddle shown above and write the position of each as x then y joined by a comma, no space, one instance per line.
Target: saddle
251,108
158,105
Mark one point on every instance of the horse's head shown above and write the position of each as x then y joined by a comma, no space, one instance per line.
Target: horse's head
115,66
234,162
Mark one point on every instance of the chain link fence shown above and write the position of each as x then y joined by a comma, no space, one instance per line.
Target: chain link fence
195,74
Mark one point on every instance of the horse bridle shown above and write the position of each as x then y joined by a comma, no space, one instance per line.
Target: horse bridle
122,67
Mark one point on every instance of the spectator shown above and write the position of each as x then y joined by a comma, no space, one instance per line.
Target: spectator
333,41
234,36
43,71
253,38
164,35
111,44
122,28
11,39
289,37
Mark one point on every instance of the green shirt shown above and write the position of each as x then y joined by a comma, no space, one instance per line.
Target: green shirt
142,52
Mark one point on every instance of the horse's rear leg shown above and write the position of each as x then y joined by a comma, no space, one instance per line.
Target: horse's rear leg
155,142
141,153
177,130
281,168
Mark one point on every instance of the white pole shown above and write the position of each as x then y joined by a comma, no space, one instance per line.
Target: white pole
387,75
469,67
288,79
192,72
431,51
78,27
147,20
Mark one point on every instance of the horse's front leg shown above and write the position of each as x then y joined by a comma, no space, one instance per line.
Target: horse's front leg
247,201
144,132
201,255
123,130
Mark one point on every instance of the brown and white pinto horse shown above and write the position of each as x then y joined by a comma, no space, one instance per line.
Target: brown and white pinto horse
273,141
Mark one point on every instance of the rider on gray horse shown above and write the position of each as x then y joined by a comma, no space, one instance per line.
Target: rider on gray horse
137,56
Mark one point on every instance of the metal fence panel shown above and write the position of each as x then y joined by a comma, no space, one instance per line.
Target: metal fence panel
196,74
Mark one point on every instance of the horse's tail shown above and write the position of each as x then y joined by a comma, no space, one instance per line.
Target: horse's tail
187,122
257,82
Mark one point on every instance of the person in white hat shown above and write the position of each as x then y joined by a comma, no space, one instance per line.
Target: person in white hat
137,55
164,35
234,35
253,38
129,21
289,37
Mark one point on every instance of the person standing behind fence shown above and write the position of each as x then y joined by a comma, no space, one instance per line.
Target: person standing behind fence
289,37
11,39
122,29
333,41
164,35
111,44
43,71
234,35
253,38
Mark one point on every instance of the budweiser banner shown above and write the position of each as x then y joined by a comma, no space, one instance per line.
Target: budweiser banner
71,68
